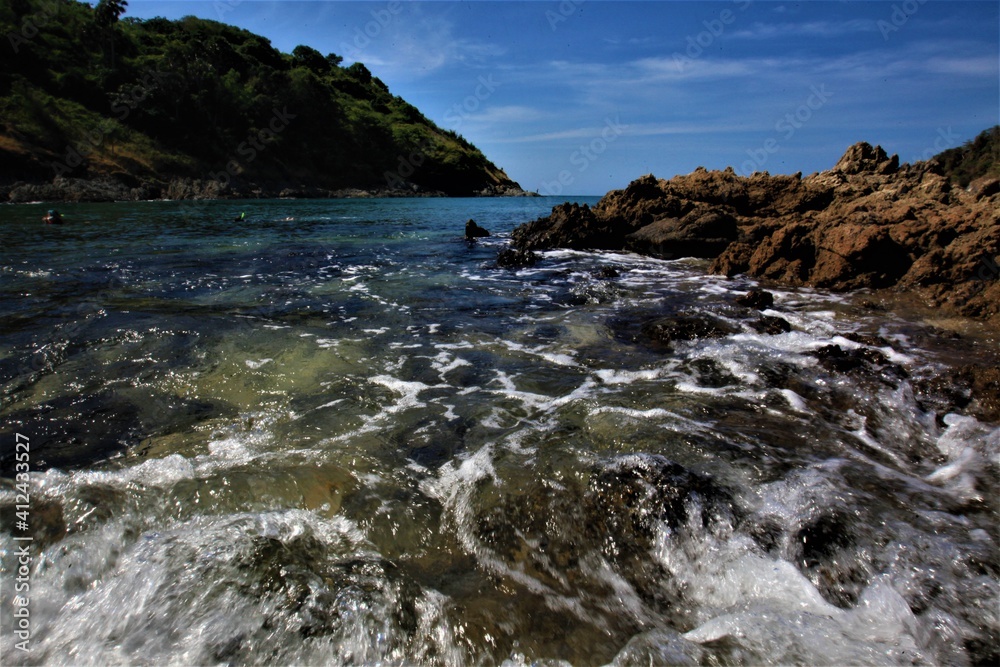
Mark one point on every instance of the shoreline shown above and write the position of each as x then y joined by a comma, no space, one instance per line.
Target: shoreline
108,189
867,223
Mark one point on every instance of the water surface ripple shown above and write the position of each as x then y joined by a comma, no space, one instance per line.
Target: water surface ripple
336,433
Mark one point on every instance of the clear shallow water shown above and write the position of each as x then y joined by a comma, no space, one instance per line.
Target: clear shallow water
336,434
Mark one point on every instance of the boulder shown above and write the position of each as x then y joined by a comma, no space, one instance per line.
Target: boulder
474,231
756,298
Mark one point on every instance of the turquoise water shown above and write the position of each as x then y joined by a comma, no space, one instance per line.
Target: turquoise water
336,433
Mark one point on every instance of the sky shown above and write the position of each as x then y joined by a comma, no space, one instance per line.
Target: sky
578,97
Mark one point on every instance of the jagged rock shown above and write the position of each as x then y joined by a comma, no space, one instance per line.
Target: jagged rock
867,223
568,226
863,158
629,496
474,231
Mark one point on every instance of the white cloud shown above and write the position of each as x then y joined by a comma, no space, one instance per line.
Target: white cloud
808,29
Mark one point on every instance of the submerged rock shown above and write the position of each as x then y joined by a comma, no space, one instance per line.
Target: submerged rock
863,360
606,272
667,330
511,258
632,494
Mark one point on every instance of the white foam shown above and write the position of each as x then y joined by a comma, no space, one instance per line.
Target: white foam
560,359
795,401
444,363
612,376
968,445
409,392
258,363
539,402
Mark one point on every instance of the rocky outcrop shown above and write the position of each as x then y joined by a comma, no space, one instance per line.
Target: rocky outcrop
868,222
474,231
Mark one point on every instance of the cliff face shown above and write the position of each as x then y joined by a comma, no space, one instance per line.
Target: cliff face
96,108
865,223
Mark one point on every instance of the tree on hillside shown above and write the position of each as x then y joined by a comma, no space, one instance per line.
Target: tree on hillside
106,15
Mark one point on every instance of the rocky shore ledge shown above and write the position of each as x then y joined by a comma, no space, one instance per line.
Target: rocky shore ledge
866,223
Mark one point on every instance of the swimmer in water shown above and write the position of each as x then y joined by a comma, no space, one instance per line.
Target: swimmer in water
52,218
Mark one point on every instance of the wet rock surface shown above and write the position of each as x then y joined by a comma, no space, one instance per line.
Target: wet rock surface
474,231
868,222
756,298
516,258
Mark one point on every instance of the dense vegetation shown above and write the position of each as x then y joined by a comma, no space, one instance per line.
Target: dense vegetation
978,157
84,92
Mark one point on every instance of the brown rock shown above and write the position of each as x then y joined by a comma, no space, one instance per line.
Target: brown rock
700,233
756,298
867,223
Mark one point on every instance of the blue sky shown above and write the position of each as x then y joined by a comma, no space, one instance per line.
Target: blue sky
573,97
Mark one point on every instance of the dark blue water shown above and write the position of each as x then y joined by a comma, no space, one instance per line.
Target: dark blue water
334,432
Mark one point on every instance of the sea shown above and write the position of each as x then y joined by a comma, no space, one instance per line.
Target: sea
334,432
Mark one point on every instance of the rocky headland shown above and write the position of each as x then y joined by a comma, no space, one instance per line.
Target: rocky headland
868,222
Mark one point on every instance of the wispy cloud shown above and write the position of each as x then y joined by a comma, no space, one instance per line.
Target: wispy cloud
761,30
417,44
505,116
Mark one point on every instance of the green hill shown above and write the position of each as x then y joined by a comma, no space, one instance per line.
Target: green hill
974,159
144,103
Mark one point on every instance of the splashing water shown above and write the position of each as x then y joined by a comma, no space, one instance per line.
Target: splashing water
338,434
